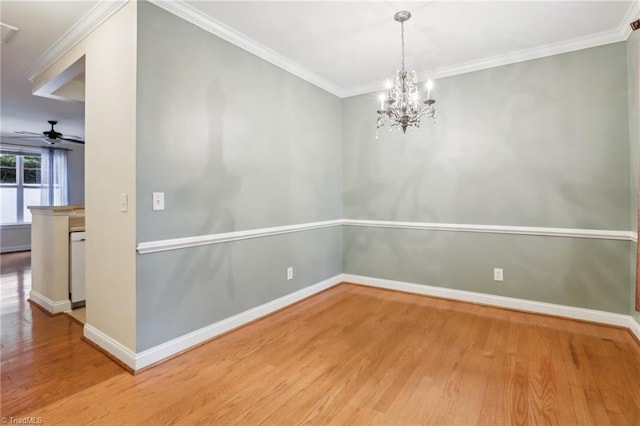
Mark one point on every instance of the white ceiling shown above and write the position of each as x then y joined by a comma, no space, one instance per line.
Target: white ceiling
354,46
40,24
345,47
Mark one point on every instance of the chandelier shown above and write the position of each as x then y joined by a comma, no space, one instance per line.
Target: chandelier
400,106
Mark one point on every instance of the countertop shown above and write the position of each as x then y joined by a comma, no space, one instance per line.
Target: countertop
76,223
69,208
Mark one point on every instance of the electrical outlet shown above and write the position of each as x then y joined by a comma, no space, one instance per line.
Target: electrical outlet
289,273
498,274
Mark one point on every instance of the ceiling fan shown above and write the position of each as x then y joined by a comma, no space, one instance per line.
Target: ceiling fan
49,136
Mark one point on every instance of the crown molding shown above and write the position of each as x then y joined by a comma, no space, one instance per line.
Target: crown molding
189,13
632,14
105,8
621,33
185,11
83,27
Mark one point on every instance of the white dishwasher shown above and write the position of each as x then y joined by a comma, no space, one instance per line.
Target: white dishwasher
76,279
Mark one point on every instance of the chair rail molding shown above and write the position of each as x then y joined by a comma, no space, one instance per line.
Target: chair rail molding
202,240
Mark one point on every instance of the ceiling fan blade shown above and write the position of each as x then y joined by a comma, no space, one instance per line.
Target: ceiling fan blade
49,136
71,140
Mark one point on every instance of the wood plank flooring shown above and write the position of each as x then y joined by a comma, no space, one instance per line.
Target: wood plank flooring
42,358
350,355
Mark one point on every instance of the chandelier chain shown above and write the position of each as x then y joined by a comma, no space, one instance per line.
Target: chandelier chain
402,39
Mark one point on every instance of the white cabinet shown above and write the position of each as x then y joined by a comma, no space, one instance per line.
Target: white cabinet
76,279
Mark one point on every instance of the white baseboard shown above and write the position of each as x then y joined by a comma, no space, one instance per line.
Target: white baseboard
51,306
12,249
115,348
634,327
179,344
137,361
572,312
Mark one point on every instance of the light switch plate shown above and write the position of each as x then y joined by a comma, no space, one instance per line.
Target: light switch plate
158,201
124,202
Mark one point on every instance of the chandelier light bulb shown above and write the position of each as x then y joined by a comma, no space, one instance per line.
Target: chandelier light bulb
429,87
382,98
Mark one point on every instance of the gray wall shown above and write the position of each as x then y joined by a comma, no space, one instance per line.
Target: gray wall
633,50
235,143
76,174
540,143
15,238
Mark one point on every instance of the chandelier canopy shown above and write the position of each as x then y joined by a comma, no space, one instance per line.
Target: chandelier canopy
400,106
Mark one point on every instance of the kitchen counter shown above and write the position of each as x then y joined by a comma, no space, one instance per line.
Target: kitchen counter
76,223
71,209
50,228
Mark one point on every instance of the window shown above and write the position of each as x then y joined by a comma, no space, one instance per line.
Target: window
30,178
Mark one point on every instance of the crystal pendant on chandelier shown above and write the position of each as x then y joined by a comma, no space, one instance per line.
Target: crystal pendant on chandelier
400,105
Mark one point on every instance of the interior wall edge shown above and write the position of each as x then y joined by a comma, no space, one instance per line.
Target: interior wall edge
635,326
111,345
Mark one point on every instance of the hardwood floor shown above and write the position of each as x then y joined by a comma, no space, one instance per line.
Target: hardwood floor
42,358
350,355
